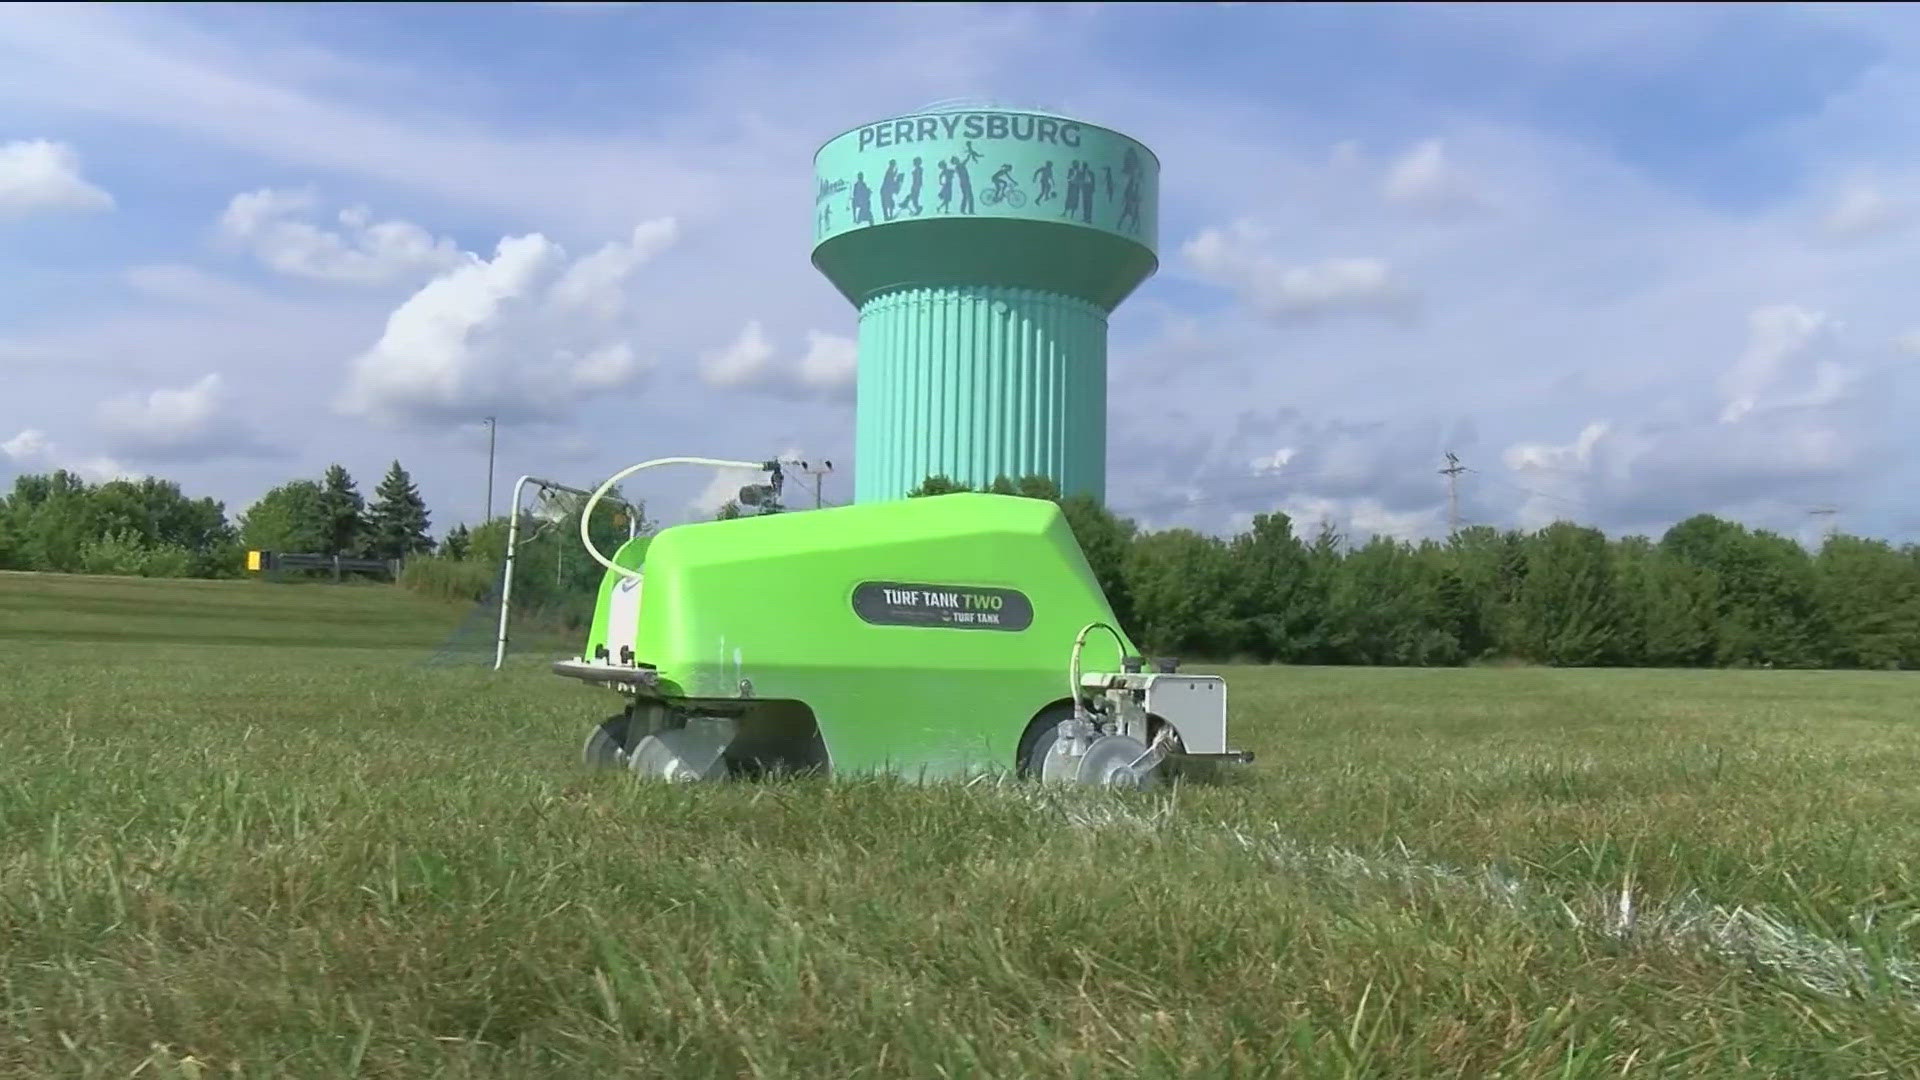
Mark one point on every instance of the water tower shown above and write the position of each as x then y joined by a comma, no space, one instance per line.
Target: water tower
984,248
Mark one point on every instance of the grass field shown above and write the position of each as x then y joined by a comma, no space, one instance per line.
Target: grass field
244,831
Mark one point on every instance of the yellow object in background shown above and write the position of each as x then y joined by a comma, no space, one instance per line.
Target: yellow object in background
253,560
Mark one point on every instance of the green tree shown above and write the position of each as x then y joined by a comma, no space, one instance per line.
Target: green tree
1180,581
52,517
1278,599
397,520
1385,606
345,514
1764,589
1668,607
1869,594
1566,612
1105,539
938,485
152,514
1481,586
290,518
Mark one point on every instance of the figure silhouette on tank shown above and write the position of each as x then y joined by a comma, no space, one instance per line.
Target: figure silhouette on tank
862,199
911,204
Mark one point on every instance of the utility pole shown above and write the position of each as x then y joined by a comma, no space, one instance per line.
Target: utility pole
816,471
490,427
1452,473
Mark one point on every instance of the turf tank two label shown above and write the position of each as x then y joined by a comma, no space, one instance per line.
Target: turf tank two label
960,607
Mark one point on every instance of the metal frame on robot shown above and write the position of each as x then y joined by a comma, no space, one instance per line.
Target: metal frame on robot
513,543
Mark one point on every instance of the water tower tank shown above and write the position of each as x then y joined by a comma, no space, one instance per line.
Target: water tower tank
984,249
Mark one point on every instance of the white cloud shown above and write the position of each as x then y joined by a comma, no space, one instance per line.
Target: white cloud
277,226
191,285
607,367
523,334
32,450
827,369
1778,336
193,422
1273,462
1574,456
1908,343
38,174
1863,210
28,445
741,361
1234,258
1423,177
1789,423
596,285
831,360
165,416
1555,478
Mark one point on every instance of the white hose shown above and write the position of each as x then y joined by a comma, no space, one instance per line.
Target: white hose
586,512
1073,666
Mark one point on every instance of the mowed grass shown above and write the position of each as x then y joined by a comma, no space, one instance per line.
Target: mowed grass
281,846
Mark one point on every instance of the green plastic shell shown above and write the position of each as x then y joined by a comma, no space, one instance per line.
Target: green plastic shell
765,607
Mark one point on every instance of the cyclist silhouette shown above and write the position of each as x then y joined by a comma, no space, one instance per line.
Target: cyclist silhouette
1005,189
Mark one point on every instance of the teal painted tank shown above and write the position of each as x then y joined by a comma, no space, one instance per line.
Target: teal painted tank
984,249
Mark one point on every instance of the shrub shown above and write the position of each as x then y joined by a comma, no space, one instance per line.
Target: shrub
449,579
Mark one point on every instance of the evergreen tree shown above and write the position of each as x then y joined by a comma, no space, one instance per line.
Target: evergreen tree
345,513
457,541
397,521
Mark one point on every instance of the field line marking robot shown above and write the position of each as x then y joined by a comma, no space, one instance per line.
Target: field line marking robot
914,637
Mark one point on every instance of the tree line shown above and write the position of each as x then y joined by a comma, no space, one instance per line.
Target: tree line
1706,593
59,522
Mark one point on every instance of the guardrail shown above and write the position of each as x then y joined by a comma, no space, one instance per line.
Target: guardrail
340,564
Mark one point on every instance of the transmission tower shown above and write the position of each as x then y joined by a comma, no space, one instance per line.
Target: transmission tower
1452,473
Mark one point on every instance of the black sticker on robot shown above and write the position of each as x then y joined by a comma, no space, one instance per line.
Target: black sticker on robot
957,607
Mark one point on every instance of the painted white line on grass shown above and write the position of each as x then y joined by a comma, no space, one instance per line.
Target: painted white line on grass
1741,933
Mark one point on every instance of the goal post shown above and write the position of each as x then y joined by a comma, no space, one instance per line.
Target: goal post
513,543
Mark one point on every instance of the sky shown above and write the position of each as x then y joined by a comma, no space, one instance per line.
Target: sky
1628,263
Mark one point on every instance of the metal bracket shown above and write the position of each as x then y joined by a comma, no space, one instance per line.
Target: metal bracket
606,673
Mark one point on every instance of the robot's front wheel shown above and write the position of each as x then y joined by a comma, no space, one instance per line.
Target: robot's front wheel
606,746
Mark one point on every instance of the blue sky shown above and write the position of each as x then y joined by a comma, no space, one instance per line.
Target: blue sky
1630,262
